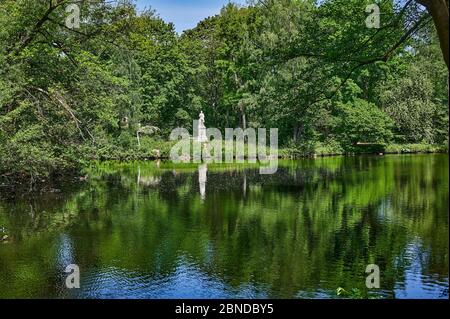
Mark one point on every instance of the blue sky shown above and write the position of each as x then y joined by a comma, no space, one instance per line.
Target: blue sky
185,14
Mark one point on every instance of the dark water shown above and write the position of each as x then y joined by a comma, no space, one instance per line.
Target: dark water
149,230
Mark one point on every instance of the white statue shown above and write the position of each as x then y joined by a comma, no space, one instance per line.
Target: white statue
202,128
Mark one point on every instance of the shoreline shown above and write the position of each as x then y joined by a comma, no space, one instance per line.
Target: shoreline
11,185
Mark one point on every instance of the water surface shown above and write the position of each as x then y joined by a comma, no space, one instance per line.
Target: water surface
158,230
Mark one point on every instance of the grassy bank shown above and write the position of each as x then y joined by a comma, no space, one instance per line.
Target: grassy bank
332,149
415,148
154,149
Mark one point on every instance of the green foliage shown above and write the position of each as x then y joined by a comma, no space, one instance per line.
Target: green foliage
64,94
362,121
417,99
330,147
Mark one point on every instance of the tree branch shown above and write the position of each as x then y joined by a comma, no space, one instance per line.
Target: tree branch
439,11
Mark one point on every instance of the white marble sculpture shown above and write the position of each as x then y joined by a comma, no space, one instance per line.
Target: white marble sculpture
202,128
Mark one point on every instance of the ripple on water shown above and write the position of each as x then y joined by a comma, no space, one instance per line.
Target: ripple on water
187,281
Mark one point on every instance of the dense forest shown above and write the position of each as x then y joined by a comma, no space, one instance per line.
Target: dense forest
312,69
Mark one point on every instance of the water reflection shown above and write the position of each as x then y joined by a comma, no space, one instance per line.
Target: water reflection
202,171
147,180
158,230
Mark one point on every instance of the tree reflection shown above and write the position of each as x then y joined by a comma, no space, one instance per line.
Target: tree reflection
303,232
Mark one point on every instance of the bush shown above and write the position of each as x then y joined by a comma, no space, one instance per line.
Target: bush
330,147
361,121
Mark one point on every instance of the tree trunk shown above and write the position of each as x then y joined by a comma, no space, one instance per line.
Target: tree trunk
438,10
243,119
296,131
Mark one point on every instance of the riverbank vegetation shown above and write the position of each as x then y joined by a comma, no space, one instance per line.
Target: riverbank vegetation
316,72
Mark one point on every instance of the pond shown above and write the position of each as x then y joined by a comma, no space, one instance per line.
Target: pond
160,230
